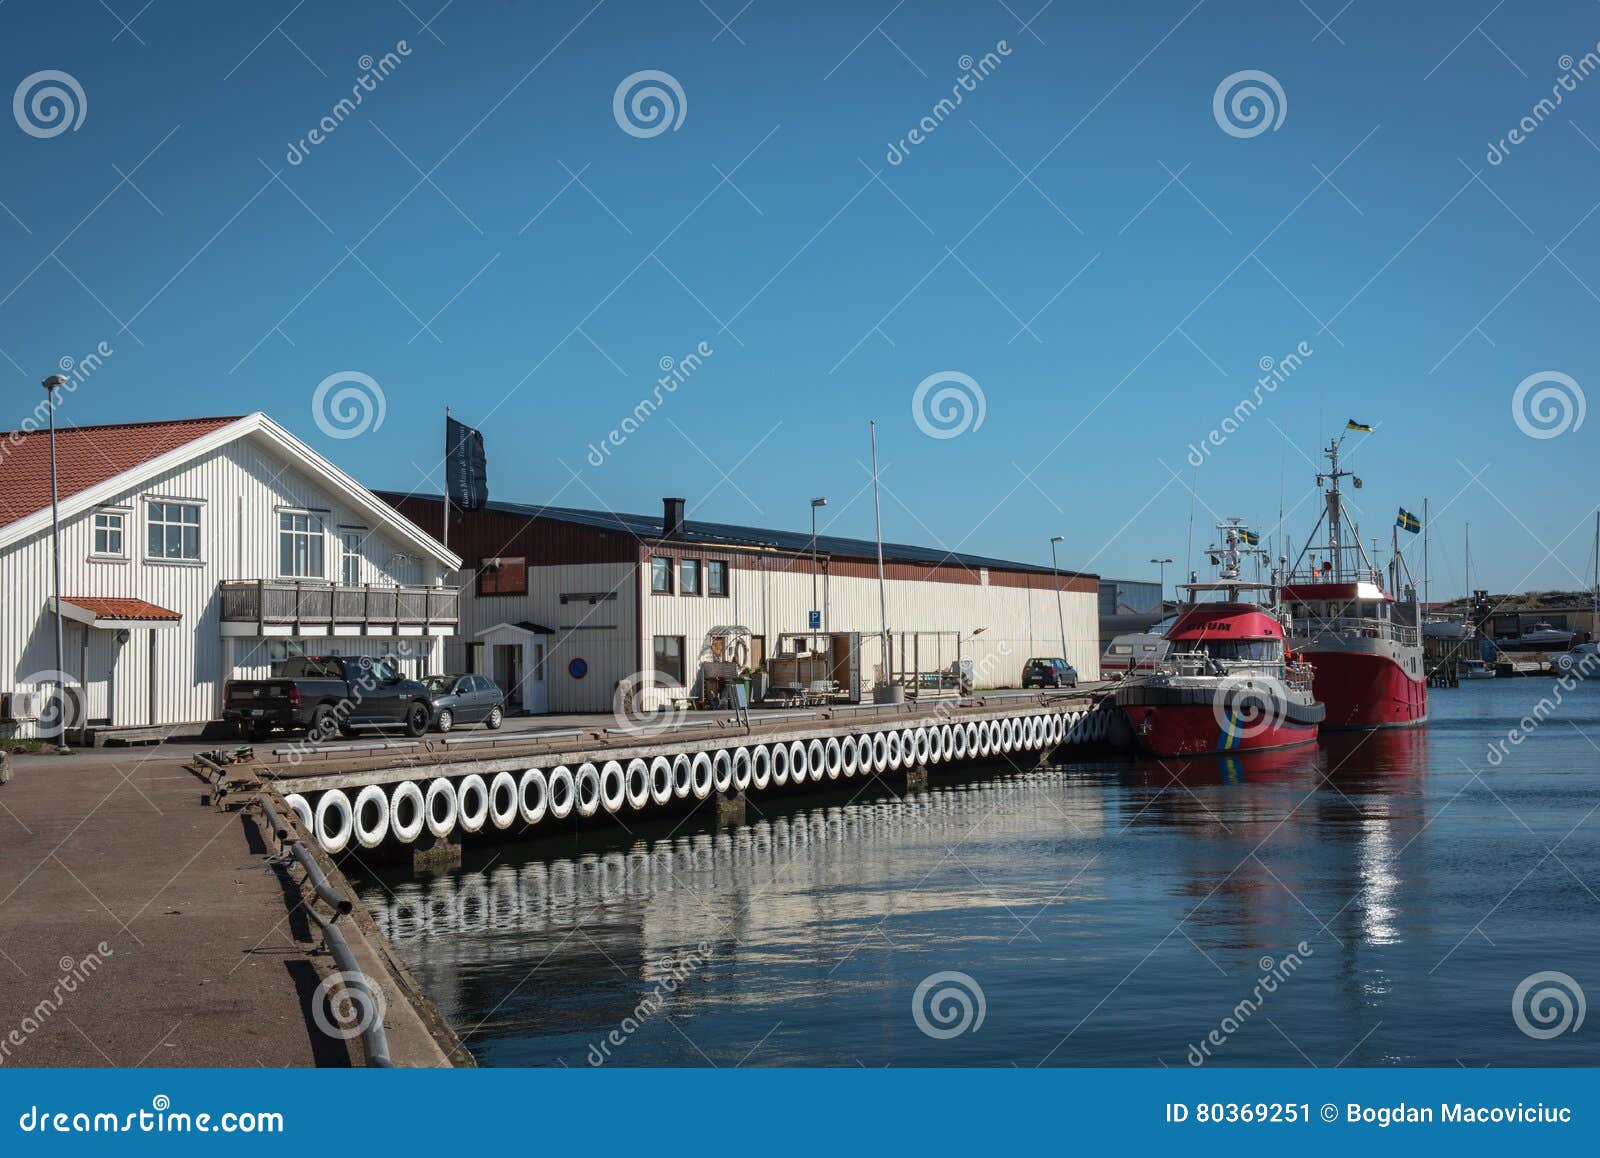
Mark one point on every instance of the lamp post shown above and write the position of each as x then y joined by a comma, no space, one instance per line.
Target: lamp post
1055,572
51,385
815,503
1163,598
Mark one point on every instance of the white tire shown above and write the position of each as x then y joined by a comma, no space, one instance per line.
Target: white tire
799,762
533,796
935,744
833,757
301,808
503,800
817,759
613,786
700,775
880,752
682,776
894,756
722,770
406,812
924,747
335,822
440,807
780,765
850,755
472,796
371,812
638,782
957,744
760,766
563,792
587,784
660,780
974,739
741,769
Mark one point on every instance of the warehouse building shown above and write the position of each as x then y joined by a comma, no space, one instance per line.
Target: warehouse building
562,606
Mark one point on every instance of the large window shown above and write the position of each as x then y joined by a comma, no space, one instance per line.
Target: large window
108,533
503,575
661,575
716,577
669,657
350,541
174,531
690,581
300,546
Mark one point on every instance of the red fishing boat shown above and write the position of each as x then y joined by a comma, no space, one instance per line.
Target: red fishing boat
1227,685
1363,643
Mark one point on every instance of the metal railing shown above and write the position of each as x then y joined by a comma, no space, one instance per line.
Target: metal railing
1355,627
300,601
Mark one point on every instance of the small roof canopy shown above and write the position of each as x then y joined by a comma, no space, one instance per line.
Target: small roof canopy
116,614
522,625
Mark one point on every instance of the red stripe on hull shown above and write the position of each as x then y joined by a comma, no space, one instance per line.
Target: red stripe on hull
1362,690
1194,730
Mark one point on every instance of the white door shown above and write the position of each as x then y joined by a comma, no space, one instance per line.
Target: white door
535,690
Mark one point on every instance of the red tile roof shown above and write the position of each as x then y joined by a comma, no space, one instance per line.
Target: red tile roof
85,457
104,608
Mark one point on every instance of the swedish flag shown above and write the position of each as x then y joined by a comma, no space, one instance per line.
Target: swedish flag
1406,521
1249,537
1352,424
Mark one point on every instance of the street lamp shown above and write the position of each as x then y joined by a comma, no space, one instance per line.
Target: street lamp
815,503
1163,600
51,385
1056,574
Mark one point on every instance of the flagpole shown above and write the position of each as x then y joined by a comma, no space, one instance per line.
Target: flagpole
446,478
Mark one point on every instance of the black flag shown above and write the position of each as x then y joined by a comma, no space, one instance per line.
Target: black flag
466,473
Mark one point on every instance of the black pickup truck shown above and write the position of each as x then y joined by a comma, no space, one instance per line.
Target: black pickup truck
328,695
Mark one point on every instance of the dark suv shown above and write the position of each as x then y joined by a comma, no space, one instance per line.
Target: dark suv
1049,672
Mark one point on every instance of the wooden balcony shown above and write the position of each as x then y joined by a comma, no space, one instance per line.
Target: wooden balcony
295,607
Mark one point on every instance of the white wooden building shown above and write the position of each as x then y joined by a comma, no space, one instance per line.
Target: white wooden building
560,605
193,551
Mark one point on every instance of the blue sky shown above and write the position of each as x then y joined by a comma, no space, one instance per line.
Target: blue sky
1080,237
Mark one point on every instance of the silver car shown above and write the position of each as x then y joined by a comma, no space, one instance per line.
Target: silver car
465,699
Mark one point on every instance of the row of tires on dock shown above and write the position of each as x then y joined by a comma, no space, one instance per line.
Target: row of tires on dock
444,807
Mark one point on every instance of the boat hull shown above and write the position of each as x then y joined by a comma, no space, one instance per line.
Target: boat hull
1187,722
1366,690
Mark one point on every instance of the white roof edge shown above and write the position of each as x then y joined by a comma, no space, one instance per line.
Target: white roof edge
257,423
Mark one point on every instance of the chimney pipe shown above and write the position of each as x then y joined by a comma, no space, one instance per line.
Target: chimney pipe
671,518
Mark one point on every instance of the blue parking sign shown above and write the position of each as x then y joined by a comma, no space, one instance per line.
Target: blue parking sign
815,620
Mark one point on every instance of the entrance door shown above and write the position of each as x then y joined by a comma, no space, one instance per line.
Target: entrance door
535,690
508,673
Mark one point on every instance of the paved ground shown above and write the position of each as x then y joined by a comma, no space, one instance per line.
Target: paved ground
140,927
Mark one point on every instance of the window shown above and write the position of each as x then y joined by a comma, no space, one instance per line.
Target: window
174,531
108,529
690,583
350,540
661,575
299,545
503,575
717,577
669,657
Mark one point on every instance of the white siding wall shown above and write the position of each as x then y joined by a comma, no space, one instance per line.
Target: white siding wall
241,487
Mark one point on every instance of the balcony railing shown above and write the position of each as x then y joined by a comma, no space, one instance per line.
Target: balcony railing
279,602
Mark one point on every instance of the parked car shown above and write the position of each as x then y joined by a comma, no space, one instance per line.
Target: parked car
465,699
328,695
1049,672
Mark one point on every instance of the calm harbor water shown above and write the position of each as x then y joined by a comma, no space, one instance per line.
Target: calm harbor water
1373,900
